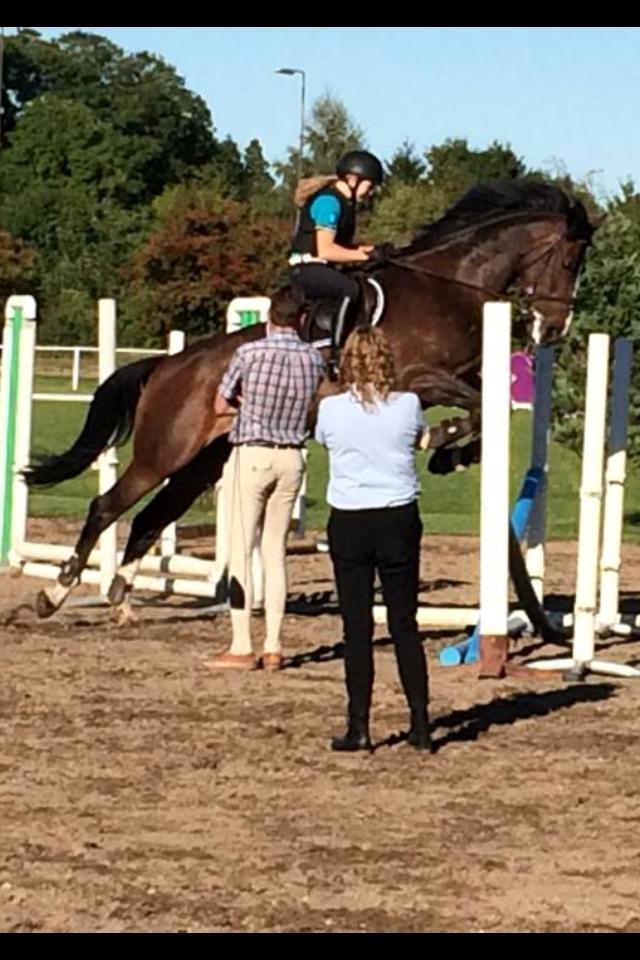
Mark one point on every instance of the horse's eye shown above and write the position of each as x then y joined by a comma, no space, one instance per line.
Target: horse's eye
568,264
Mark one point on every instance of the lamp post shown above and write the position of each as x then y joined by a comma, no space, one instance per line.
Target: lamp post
290,72
1,77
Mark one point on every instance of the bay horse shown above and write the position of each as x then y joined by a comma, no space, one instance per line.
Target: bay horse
502,239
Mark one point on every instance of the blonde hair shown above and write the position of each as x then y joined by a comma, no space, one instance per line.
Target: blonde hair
367,367
306,188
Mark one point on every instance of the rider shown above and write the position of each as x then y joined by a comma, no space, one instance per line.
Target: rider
325,228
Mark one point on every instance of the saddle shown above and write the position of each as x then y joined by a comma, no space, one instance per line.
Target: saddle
328,322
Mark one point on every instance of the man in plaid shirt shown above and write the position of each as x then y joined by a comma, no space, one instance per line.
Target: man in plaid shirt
271,382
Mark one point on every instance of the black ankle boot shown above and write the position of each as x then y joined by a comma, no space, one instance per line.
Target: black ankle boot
419,732
356,738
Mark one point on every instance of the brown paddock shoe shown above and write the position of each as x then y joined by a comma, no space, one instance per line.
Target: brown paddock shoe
271,661
232,661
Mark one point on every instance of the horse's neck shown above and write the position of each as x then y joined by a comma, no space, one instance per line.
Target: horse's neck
488,259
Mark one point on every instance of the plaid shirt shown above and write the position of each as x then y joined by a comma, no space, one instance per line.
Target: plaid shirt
277,377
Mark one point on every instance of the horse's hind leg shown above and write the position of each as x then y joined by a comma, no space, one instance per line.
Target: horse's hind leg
103,511
167,506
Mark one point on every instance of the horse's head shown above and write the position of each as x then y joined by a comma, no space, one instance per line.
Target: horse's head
547,273
517,236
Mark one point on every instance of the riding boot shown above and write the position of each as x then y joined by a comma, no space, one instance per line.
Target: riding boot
357,736
337,331
419,732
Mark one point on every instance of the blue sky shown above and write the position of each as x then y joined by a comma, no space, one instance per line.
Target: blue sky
554,93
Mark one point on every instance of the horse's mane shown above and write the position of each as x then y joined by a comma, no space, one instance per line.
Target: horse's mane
501,200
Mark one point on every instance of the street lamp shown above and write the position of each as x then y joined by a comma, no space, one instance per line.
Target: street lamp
1,75
290,72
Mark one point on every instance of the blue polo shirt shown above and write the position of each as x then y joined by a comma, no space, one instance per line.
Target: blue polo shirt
371,451
325,212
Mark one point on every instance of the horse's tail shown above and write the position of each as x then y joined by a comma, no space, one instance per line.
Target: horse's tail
109,422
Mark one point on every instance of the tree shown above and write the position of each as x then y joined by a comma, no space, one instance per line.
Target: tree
453,166
227,166
95,134
402,208
28,73
608,301
198,260
61,186
258,181
256,169
416,193
330,133
405,165
61,144
17,263
582,189
140,96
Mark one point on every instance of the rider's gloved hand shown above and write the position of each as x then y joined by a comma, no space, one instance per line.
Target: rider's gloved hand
382,253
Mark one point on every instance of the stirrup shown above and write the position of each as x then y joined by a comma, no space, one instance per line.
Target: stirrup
336,338
339,325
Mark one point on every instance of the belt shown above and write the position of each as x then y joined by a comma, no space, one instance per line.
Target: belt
272,445
297,258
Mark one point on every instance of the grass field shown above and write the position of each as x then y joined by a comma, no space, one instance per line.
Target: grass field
448,504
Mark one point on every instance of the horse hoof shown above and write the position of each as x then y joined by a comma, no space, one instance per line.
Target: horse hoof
117,591
123,616
469,455
441,462
44,607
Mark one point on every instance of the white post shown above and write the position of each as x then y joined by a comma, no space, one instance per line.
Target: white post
246,311
176,341
494,488
582,660
615,480
536,531
75,369
108,461
7,425
23,429
591,498
169,536
16,387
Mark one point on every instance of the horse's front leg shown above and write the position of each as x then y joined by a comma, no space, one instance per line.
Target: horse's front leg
436,388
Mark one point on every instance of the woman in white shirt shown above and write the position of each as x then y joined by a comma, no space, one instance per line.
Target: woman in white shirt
371,432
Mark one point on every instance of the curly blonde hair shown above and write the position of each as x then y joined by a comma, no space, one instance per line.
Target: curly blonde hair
307,187
367,367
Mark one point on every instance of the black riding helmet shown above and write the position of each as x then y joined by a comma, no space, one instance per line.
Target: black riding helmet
362,164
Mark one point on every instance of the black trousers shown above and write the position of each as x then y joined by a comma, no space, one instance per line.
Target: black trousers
386,540
315,281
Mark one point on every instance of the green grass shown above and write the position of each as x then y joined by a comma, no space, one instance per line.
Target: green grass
448,504
451,504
